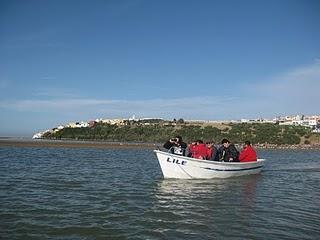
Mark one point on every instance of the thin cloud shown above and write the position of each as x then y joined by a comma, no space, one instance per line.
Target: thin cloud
293,92
55,93
54,105
197,107
302,80
48,78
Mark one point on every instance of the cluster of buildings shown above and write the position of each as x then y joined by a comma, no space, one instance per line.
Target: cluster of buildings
298,120
89,124
81,124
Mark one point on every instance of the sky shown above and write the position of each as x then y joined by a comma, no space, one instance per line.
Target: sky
68,61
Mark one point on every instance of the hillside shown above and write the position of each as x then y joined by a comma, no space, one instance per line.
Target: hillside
257,133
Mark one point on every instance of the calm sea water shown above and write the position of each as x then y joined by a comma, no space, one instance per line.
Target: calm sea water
71,193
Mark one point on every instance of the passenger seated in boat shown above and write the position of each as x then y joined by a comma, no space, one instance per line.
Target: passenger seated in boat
191,148
176,145
212,151
248,154
228,152
197,150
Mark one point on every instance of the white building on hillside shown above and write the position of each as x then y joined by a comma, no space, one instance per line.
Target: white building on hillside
300,120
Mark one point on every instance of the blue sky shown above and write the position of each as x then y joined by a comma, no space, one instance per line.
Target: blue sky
63,61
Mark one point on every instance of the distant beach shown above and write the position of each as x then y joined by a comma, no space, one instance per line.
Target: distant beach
24,142
16,142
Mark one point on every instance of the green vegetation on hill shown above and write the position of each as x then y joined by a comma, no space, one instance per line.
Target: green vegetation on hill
258,133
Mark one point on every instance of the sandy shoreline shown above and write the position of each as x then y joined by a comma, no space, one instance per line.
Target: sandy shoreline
72,144
15,142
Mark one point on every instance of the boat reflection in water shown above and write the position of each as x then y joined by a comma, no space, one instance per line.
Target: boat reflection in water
205,205
240,188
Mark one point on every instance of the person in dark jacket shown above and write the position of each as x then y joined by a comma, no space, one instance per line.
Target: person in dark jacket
176,145
228,152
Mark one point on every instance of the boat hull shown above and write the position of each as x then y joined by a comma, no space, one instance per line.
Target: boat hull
175,166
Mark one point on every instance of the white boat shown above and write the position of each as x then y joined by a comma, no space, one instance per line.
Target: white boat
177,166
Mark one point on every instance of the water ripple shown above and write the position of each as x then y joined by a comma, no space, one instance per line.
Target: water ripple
107,194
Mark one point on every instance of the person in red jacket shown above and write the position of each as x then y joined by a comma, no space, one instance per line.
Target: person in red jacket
198,150
212,151
248,154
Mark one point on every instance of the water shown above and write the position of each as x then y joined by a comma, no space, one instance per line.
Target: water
72,193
